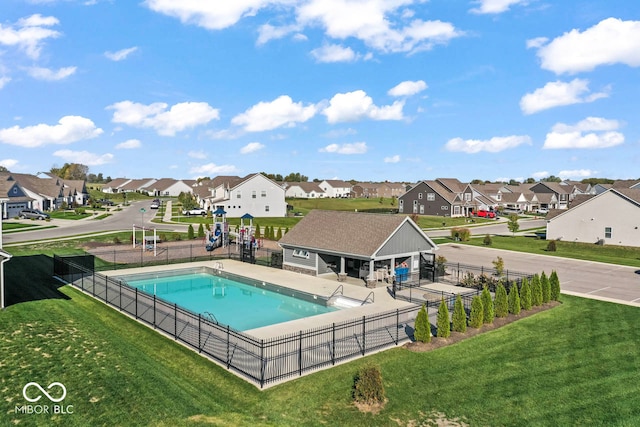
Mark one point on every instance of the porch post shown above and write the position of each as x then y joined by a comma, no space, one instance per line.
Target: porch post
342,265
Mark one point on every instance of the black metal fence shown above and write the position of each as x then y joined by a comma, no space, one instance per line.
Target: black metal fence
432,298
477,277
261,361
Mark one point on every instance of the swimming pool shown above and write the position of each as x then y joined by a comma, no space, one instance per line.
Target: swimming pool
233,300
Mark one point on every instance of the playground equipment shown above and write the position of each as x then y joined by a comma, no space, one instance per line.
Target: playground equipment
219,234
149,243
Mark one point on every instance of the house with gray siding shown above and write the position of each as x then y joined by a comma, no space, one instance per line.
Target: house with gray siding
431,198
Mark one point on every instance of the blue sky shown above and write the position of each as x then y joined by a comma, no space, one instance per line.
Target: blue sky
399,90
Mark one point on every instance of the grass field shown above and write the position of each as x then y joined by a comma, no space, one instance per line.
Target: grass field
577,364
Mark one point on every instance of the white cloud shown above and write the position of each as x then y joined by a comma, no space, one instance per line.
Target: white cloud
555,94
334,53
576,174
120,54
495,6
68,130
268,32
351,148
8,163
493,145
540,175
197,154
407,88
611,41
84,157
251,147
392,159
357,105
129,144
537,42
4,80
29,33
47,74
211,169
592,132
271,115
179,117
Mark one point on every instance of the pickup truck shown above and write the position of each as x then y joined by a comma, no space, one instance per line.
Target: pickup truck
194,211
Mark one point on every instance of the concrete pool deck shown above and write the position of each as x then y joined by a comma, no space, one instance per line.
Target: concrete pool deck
323,287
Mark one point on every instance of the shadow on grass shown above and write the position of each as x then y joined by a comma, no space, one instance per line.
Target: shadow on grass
30,278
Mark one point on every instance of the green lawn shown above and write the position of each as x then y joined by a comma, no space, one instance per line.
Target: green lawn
577,364
16,226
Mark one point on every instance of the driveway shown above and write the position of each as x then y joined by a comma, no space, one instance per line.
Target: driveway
607,282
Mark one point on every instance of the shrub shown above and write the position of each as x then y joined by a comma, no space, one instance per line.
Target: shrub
422,331
475,318
190,233
80,211
514,301
177,237
551,246
500,303
200,231
117,240
460,233
487,240
459,316
440,265
525,295
498,265
443,325
555,286
546,288
536,291
257,232
488,312
279,234
367,385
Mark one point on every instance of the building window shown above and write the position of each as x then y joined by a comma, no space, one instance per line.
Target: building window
456,210
263,193
419,195
467,197
238,195
266,208
299,253
607,232
421,209
444,208
253,194
431,197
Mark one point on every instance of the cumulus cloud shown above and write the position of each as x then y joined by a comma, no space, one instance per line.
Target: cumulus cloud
212,169
181,116
495,6
611,41
556,94
84,157
8,163
129,144
251,147
334,53
392,159
268,32
40,73
68,130
357,105
4,80
349,148
407,88
576,174
29,34
592,132
493,145
120,54
281,112
541,174
197,154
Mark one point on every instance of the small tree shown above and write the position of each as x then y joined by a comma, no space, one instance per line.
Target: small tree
440,265
459,316
422,331
190,232
536,291
487,240
546,288
444,325
555,286
279,234
257,232
551,246
498,264
475,318
500,302
488,313
525,295
514,300
513,224
367,386
201,231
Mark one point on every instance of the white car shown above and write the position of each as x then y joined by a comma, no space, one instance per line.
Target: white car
542,211
194,211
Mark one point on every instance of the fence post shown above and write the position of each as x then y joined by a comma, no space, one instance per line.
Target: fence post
120,296
262,364
106,289
175,321
154,311
364,318
300,353
228,348
397,325
333,344
199,334
93,285
136,303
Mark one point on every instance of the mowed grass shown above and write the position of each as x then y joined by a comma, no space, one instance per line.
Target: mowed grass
577,364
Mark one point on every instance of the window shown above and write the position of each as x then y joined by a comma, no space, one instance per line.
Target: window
266,208
421,209
467,197
456,210
444,208
263,193
419,195
431,197
238,195
253,194
300,253
607,232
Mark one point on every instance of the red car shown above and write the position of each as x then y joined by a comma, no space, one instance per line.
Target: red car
485,214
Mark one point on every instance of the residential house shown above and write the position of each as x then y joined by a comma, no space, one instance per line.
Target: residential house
136,185
376,190
14,197
115,185
561,192
336,188
431,198
611,218
305,190
254,194
169,187
48,192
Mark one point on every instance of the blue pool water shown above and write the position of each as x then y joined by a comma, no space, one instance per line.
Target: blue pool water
239,305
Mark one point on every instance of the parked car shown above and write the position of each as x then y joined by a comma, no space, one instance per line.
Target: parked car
106,202
155,204
485,214
508,212
32,214
194,211
542,211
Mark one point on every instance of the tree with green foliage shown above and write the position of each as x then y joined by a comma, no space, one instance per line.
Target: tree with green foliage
190,232
555,286
367,385
443,323
286,230
422,331
488,313
551,246
514,300
279,234
500,302
459,315
487,240
257,234
200,231
512,224
475,317
498,265
525,295
536,291
546,288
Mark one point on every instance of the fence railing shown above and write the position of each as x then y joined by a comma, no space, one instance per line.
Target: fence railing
473,276
261,361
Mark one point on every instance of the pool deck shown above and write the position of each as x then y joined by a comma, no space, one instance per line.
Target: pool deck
323,287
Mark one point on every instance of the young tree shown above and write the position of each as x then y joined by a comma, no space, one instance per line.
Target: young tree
555,286
536,291
422,331
500,302
513,224
514,300
190,233
257,232
475,318
279,234
546,288
487,240
525,295
443,323
200,231
498,265
488,313
367,386
459,316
